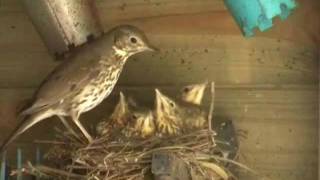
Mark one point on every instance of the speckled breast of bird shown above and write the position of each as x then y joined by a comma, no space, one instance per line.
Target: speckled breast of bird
98,89
100,86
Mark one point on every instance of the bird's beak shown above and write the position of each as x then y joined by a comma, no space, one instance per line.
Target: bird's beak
159,98
200,93
152,48
122,98
121,95
202,87
159,103
158,94
162,101
122,103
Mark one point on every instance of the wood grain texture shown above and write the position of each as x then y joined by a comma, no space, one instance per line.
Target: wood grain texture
268,84
194,17
185,59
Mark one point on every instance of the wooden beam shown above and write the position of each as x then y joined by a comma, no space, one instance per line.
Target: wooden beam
184,59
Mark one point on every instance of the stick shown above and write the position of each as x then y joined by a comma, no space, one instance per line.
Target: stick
58,172
49,142
210,115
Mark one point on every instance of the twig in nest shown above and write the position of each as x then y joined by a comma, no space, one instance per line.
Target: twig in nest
122,159
242,166
46,172
210,114
49,142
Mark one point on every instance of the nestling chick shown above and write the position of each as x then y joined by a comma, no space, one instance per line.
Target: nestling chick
141,123
121,112
168,120
193,93
173,117
118,119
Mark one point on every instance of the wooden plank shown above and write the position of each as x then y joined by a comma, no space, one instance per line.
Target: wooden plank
113,11
17,32
193,17
127,9
257,93
11,6
272,137
208,17
287,166
185,59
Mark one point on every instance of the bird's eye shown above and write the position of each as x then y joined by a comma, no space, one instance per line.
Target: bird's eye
171,104
134,117
186,89
133,40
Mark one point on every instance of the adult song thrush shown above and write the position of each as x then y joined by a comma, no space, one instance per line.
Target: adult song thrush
83,81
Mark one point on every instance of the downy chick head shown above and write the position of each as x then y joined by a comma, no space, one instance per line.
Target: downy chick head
193,93
144,124
141,121
121,112
173,117
131,40
118,118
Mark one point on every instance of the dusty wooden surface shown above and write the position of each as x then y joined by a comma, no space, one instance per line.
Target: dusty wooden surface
267,84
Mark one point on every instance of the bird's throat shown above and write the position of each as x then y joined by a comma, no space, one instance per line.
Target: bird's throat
120,52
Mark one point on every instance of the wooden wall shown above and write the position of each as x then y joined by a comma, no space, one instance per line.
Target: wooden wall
267,84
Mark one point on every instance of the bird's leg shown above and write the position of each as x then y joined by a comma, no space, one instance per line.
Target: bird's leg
68,127
75,118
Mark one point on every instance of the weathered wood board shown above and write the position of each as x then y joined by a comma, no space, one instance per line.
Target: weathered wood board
267,84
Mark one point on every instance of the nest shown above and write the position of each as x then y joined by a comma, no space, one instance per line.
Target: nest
131,158
120,157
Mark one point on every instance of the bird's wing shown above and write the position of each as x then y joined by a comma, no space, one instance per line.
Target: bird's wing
66,79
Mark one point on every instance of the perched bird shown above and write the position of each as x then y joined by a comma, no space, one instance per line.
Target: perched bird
118,119
174,117
193,93
85,79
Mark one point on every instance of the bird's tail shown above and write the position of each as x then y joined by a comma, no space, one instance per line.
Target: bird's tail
25,124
